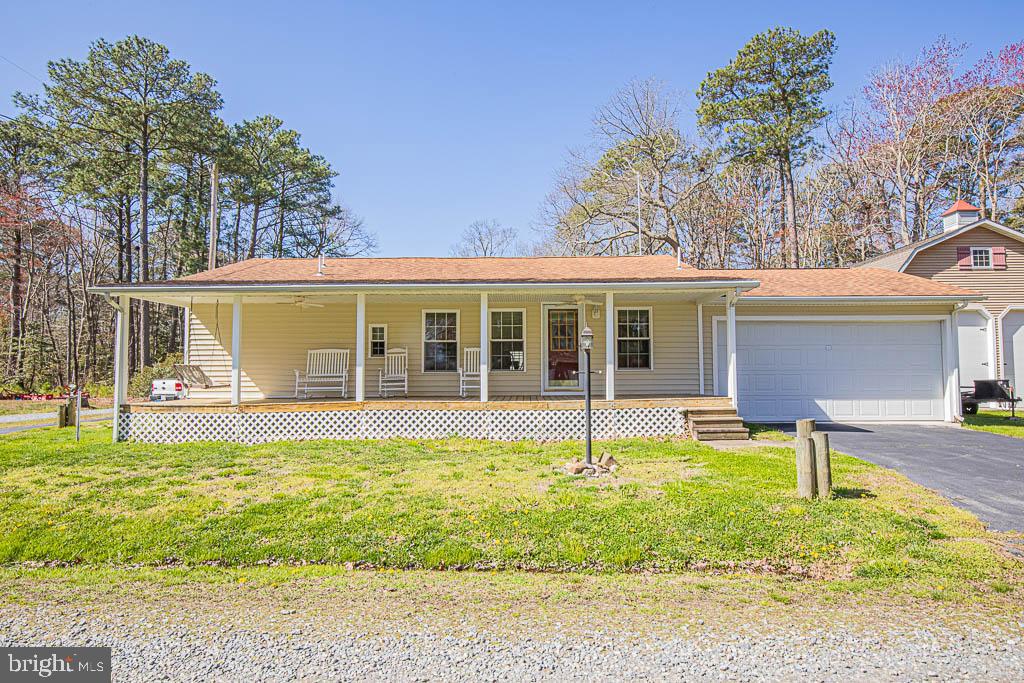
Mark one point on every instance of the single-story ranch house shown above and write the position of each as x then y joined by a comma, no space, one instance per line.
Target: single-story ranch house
490,347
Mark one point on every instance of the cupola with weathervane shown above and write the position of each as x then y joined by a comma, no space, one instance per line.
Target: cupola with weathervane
959,215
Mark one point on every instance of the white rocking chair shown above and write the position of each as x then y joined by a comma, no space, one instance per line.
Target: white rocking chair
326,371
469,373
394,377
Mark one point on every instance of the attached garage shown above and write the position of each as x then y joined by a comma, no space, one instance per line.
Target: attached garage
835,370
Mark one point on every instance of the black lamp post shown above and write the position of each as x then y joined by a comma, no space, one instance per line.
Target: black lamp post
587,343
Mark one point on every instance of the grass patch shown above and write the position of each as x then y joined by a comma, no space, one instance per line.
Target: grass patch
763,432
674,506
997,422
27,407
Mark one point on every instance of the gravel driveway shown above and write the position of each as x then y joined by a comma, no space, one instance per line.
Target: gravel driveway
979,471
153,647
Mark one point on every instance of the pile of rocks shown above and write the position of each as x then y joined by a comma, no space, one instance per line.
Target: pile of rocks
605,465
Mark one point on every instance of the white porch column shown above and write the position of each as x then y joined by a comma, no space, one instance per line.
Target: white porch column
485,352
700,348
361,347
730,336
951,359
121,317
609,346
236,351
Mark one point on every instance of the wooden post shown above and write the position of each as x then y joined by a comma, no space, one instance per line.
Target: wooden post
805,479
730,346
120,362
361,346
62,415
609,346
822,464
485,351
805,427
236,351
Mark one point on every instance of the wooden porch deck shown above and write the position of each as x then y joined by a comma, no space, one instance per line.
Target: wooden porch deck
516,402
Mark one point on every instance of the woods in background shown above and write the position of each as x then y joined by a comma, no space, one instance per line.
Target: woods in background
105,176
772,179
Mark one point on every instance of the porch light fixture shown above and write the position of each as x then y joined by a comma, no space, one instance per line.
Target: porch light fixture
587,343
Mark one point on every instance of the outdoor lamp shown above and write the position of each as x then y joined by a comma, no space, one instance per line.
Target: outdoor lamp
587,338
587,343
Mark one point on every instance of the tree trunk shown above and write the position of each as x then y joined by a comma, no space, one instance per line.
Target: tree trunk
144,356
237,229
279,247
793,246
255,225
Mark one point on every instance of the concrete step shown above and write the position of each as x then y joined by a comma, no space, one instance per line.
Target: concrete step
730,420
720,434
705,412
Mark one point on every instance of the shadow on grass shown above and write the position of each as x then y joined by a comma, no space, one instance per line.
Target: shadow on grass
851,492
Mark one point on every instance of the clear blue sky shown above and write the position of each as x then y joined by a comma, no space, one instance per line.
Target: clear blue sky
437,114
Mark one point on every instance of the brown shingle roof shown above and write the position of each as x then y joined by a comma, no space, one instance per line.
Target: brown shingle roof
866,282
439,270
842,282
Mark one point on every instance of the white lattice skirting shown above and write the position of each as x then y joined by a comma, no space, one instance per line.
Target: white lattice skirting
502,425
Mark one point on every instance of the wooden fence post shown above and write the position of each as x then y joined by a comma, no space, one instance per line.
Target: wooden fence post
62,415
805,427
822,464
806,483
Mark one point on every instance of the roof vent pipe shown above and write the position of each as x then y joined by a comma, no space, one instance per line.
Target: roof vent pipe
320,265
679,257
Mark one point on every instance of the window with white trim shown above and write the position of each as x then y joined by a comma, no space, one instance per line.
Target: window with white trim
981,257
508,340
633,338
440,341
378,340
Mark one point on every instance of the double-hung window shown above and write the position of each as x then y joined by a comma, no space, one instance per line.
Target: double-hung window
508,340
378,341
981,257
440,341
633,338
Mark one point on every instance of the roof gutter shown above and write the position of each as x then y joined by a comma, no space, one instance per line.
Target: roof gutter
859,299
156,288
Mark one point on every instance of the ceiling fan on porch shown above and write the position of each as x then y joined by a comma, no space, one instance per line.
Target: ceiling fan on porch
581,300
302,303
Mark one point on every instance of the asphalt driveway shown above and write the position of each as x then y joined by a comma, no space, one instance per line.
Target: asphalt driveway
979,471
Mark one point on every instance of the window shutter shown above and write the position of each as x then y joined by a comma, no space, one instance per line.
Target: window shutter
963,257
999,258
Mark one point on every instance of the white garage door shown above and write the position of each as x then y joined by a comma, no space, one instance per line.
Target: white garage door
1013,349
974,344
840,371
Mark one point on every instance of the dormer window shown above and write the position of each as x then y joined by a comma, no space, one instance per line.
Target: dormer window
981,258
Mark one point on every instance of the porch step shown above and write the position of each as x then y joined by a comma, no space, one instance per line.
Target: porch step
731,433
713,424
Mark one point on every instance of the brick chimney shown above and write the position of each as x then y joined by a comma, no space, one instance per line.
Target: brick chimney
959,215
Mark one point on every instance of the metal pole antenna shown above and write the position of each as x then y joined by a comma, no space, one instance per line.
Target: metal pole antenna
639,221
211,257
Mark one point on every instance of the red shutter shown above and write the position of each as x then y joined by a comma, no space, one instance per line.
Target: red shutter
999,258
963,257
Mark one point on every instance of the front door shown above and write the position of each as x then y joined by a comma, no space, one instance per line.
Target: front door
563,354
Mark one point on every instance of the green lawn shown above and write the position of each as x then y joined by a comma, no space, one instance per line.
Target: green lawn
26,407
996,421
673,506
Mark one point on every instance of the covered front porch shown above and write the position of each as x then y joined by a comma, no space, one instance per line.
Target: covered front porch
501,418
523,346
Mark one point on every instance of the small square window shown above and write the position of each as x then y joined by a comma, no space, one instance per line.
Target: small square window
378,341
981,257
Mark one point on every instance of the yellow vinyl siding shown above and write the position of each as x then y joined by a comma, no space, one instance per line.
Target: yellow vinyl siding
1002,288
